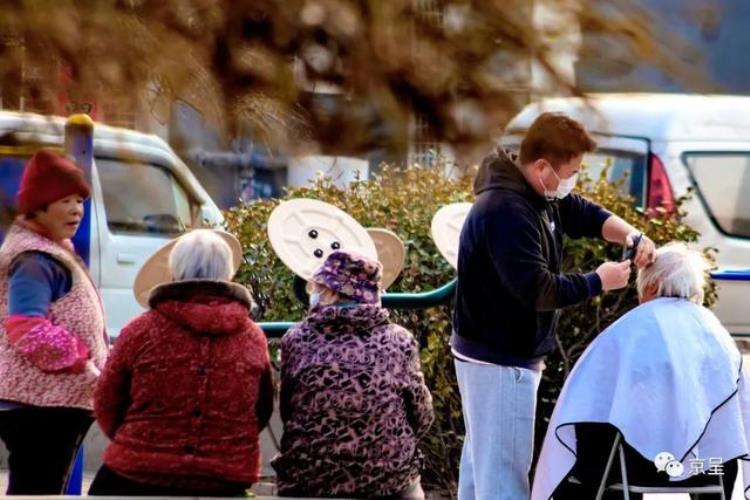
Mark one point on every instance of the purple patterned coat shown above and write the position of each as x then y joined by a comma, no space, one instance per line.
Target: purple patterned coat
354,404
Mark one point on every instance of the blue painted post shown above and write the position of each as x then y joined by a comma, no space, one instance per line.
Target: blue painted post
75,479
79,145
731,274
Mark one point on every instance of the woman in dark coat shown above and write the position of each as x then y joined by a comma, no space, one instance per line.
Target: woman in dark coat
187,388
353,399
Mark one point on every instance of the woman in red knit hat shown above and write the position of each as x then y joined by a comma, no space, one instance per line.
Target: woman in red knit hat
53,342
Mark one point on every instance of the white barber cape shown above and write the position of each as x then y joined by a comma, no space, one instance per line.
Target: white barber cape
669,377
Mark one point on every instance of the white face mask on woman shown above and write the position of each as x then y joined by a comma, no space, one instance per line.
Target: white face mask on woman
564,188
314,299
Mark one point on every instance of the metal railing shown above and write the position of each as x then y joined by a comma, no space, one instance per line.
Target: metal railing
731,275
442,295
400,301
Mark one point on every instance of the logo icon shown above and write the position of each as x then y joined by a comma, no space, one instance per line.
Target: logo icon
675,469
662,460
665,462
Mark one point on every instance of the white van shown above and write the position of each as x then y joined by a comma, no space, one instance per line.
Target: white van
666,144
142,195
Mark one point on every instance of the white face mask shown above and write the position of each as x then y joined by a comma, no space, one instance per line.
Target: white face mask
564,187
314,299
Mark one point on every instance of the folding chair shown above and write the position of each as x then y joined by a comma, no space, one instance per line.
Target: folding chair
628,488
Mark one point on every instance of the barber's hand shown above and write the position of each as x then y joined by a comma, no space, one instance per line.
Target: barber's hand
614,275
646,253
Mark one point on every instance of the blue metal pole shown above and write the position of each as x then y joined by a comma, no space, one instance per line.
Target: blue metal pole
421,300
276,329
75,480
731,275
79,145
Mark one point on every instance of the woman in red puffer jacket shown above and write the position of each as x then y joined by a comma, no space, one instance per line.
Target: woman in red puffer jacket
187,388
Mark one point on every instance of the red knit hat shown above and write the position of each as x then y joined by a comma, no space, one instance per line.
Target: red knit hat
49,177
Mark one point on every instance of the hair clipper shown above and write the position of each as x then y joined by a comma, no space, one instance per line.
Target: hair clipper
629,253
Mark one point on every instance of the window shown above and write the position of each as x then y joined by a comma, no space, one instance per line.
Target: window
143,199
119,113
723,183
425,151
623,165
35,96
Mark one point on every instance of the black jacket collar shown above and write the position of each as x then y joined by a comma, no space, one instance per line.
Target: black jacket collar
500,170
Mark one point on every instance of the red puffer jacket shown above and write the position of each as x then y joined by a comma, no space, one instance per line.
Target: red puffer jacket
187,388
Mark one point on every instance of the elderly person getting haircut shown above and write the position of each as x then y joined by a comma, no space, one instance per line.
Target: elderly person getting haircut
668,377
188,387
353,399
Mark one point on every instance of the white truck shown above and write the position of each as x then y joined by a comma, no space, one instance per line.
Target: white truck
142,195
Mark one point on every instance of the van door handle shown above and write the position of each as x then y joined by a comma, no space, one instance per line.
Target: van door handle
125,258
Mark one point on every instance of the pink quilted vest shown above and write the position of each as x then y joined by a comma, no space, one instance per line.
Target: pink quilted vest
79,311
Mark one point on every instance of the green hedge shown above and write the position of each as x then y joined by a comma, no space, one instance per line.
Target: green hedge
404,201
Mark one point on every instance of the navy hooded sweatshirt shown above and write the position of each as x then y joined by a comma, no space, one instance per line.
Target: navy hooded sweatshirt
510,288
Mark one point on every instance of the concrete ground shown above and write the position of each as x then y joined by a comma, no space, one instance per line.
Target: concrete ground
265,491
262,490
736,495
96,442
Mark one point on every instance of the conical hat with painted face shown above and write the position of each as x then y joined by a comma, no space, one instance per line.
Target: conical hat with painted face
391,253
446,230
303,232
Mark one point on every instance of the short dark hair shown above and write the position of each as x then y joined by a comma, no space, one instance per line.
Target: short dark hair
556,138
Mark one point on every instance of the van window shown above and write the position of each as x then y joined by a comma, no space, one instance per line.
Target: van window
722,181
140,198
623,166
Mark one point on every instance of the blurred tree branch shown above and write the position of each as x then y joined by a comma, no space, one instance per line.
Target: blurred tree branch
251,64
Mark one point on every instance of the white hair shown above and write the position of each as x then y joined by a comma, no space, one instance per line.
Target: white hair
201,254
676,272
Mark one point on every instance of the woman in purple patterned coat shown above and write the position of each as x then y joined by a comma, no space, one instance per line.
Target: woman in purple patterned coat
353,398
